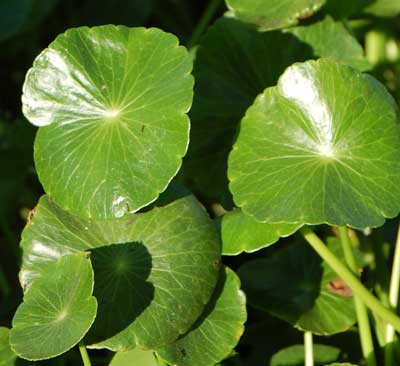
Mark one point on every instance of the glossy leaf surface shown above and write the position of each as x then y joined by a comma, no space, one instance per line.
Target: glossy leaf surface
242,233
134,357
154,272
112,101
273,14
294,285
57,310
216,332
320,147
294,355
7,356
234,64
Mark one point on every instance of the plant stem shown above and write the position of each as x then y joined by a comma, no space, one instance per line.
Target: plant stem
84,354
393,300
351,280
204,22
308,349
367,344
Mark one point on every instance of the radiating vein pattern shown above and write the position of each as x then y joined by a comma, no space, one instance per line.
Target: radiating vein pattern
322,146
112,103
154,272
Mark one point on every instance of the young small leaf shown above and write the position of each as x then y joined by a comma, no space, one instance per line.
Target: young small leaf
134,357
112,101
242,233
273,14
216,332
322,146
57,310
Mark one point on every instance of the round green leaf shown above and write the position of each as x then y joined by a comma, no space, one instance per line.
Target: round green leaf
294,355
112,101
7,356
134,357
57,310
235,63
242,233
295,286
216,332
321,147
154,271
341,364
273,14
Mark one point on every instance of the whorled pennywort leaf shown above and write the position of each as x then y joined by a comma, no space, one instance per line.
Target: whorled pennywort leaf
321,147
294,355
7,356
341,364
295,285
242,233
235,63
112,101
217,331
273,14
154,272
134,357
57,311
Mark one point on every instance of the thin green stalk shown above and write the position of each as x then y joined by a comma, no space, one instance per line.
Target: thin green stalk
308,349
84,354
351,280
393,301
204,22
364,328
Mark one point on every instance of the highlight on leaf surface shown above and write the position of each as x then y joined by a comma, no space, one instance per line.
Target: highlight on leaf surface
235,63
218,330
296,286
57,311
112,103
242,233
154,272
273,14
320,147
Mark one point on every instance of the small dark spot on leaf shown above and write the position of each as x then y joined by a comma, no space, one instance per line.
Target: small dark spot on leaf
142,129
31,214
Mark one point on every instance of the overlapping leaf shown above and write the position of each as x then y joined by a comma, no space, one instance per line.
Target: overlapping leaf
320,147
235,63
112,101
216,332
295,286
134,357
242,233
57,310
154,272
7,356
273,14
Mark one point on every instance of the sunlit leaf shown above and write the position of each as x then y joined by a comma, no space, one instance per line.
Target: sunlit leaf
154,271
242,233
320,147
216,332
57,310
134,357
112,101
273,14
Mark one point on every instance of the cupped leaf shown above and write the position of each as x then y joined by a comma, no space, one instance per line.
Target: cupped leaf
112,101
234,64
242,233
154,271
295,286
294,355
134,357
57,311
321,147
7,356
273,14
217,331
